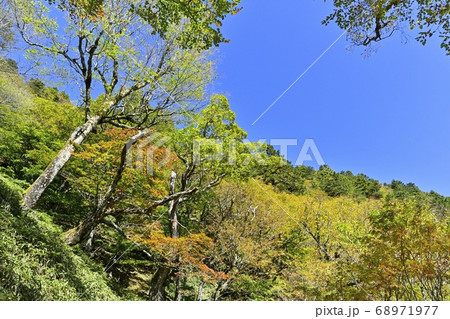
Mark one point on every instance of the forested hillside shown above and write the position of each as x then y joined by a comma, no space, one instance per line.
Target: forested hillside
145,188
259,232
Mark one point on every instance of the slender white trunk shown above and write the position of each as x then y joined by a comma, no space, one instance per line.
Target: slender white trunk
173,207
200,291
40,185
159,280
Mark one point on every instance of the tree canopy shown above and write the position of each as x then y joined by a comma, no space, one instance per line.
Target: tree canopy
373,21
201,20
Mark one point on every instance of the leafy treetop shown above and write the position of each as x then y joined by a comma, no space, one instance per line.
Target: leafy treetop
201,19
372,21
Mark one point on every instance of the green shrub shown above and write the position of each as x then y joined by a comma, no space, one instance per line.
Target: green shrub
10,194
36,264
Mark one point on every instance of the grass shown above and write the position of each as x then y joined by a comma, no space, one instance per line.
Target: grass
35,263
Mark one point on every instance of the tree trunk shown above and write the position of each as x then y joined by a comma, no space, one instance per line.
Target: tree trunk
173,213
178,288
40,185
200,291
85,228
159,280
222,285
173,208
78,234
90,242
158,284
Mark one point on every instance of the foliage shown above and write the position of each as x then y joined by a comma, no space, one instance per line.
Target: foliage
35,264
347,184
407,254
266,232
283,175
33,128
189,254
10,194
201,20
212,142
204,215
6,32
246,226
47,93
8,66
372,21
95,164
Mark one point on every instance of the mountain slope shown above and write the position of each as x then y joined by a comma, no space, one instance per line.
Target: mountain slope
35,264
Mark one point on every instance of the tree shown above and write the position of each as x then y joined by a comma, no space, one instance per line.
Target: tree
280,173
202,166
113,189
246,225
334,227
33,128
372,21
6,32
184,255
366,186
407,254
405,191
201,19
334,184
139,76
110,186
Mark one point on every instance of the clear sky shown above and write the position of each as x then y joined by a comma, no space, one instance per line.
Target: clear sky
385,116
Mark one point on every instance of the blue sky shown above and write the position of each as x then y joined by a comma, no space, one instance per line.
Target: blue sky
385,116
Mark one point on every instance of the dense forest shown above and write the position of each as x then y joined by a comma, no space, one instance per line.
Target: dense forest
122,194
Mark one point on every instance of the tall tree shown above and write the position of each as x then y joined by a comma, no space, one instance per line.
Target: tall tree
137,72
407,254
246,225
204,149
